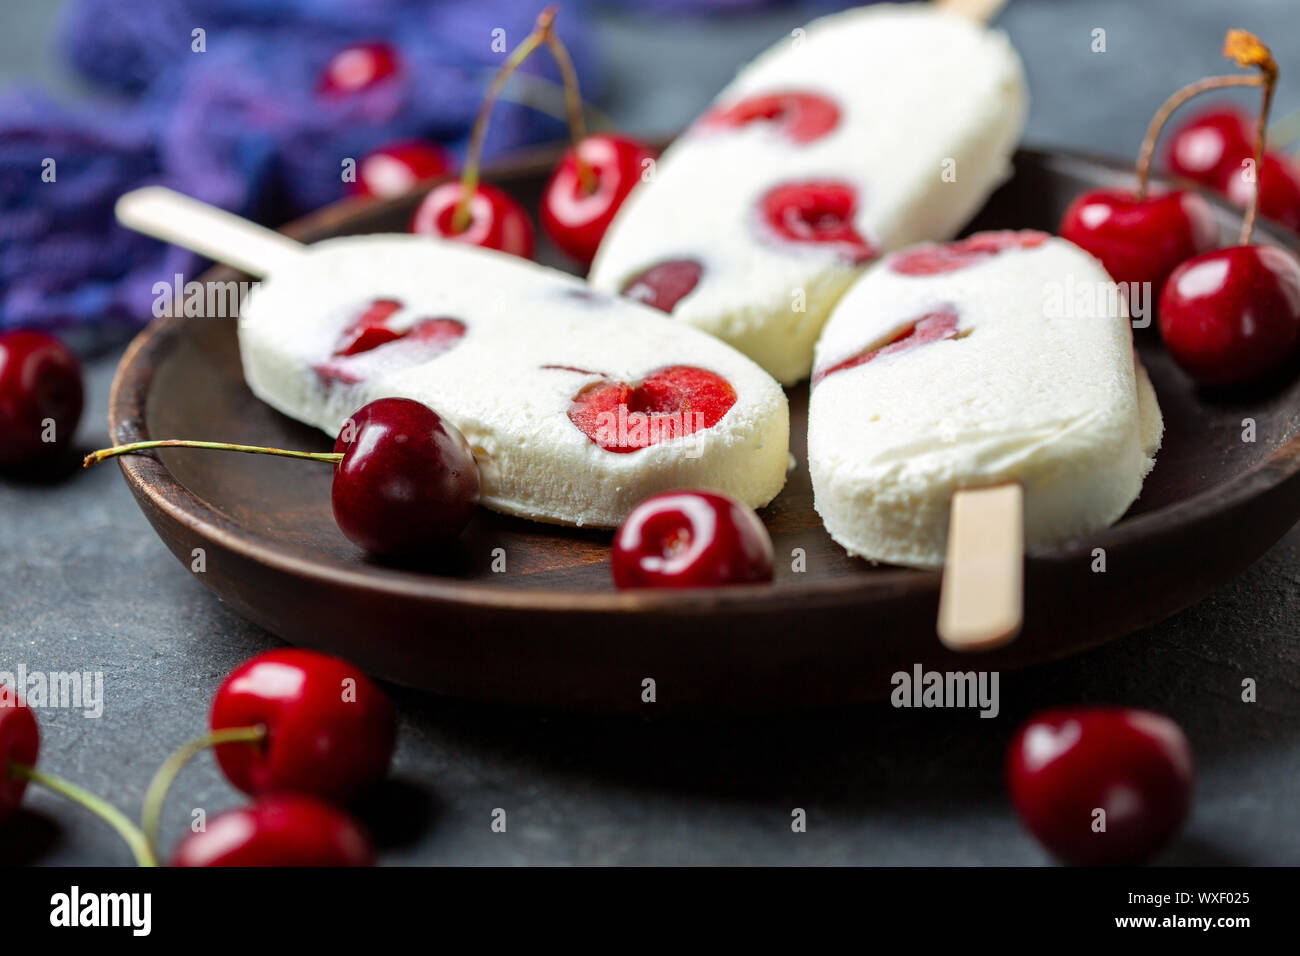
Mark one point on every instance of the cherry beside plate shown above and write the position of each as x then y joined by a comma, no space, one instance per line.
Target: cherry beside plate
550,630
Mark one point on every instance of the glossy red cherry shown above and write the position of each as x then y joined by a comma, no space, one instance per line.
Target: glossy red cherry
671,403
397,168
1279,198
576,215
799,115
330,730
358,67
1066,764
40,397
1140,240
1232,316
665,284
932,327
817,212
496,220
1209,147
691,539
20,742
931,259
407,480
278,830
372,332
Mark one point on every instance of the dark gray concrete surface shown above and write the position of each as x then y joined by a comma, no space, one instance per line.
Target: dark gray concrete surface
85,585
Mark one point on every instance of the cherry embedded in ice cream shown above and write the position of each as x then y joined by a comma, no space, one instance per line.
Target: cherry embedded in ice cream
1140,239
1209,147
800,115
397,168
671,403
278,830
41,397
494,219
328,729
579,202
1065,765
931,327
665,284
691,539
816,212
368,330
938,258
1232,316
407,479
358,67
19,744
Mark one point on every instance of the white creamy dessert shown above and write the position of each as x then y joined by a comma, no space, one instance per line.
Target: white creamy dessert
530,364
961,365
865,132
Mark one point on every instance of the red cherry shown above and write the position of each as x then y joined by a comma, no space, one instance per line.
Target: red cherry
936,258
330,730
1209,147
1279,199
408,480
358,67
1065,764
1140,240
931,327
1233,315
817,212
40,382
397,168
691,539
662,286
20,742
496,220
575,217
278,830
800,116
370,332
671,403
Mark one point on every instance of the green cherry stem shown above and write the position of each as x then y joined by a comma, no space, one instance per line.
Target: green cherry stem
460,217
156,794
95,457
135,839
573,103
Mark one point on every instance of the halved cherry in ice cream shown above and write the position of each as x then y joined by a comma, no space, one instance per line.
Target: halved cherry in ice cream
665,284
936,259
801,116
370,331
818,211
671,403
931,327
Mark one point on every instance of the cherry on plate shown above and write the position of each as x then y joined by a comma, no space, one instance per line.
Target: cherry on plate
1100,785
493,219
691,539
329,729
1232,316
1278,181
397,168
578,204
278,830
41,397
1210,146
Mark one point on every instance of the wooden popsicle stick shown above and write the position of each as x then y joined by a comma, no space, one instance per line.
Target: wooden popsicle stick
176,218
981,11
981,602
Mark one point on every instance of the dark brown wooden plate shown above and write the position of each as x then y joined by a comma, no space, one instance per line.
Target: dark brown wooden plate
550,630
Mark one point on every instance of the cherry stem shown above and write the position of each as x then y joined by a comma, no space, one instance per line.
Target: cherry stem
110,814
95,457
156,794
1166,110
460,217
539,93
1261,134
573,101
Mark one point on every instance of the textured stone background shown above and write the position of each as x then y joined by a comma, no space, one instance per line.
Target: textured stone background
85,585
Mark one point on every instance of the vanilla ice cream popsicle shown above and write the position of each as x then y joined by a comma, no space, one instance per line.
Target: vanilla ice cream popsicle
578,405
962,365
864,132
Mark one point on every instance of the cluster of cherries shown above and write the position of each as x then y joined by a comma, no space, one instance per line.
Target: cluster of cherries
1228,316
300,732
585,190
